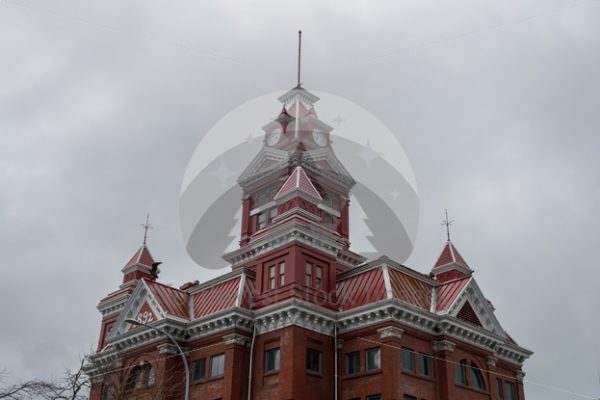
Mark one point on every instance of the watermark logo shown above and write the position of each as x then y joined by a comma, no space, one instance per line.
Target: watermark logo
384,203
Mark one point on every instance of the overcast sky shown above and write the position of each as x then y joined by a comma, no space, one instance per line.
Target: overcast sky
495,102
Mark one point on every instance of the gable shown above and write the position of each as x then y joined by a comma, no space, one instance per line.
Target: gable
467,314
145,315
479,307
268,159
142,301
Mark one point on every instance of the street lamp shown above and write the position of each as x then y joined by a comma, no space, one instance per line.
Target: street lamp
181,353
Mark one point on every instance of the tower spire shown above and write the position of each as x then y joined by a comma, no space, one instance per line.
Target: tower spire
447,222
299,56
146,226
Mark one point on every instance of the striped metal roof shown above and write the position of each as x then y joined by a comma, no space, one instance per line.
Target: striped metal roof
173,301
450,255
361,289
410,289
216,298
447,292
142,256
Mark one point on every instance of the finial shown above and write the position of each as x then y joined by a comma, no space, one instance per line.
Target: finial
146,226
299,56
447,222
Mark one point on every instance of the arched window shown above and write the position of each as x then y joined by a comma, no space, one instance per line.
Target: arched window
473,379
140,375
477,377
460,375
133,378
148,375
108,392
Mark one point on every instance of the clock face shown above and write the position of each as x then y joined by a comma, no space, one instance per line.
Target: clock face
319,137
274,136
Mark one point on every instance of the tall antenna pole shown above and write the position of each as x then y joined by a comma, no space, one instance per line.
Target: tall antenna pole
299,55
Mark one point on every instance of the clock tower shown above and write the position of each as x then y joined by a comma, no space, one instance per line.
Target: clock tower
295,232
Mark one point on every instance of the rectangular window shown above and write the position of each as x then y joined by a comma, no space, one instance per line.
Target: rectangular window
319,278
281,274
373,397
352,363
261,219
424,364
313,360
373,357
409,397
308,274
272,213
199,369
460,376
272,360
272,277
510,391
408,359
500,388
217,365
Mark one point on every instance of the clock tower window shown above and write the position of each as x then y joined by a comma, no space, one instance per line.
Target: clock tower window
276,275
313,276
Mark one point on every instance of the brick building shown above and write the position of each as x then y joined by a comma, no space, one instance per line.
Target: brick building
300,315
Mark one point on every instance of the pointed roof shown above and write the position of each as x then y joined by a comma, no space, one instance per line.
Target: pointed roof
450,256
298,180
142,256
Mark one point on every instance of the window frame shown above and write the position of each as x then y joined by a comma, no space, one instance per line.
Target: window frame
461,372
425,366
199,361
276,360
408,354
308,274
378,352
347,359
211,373
477,379
319,354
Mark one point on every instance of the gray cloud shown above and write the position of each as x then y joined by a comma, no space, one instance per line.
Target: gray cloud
101,105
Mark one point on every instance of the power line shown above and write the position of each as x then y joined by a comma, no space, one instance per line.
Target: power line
562,390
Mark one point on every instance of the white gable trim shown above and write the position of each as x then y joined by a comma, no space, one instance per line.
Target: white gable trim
142,294
472,294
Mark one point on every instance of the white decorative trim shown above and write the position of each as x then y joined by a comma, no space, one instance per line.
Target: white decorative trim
390,332
491,361
266,153
329,210
298,313
443,345
240,293
167,348
288,233
433,306
386,281
236,339
422,320
453,265
472,294
113,305
142,294
262,208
